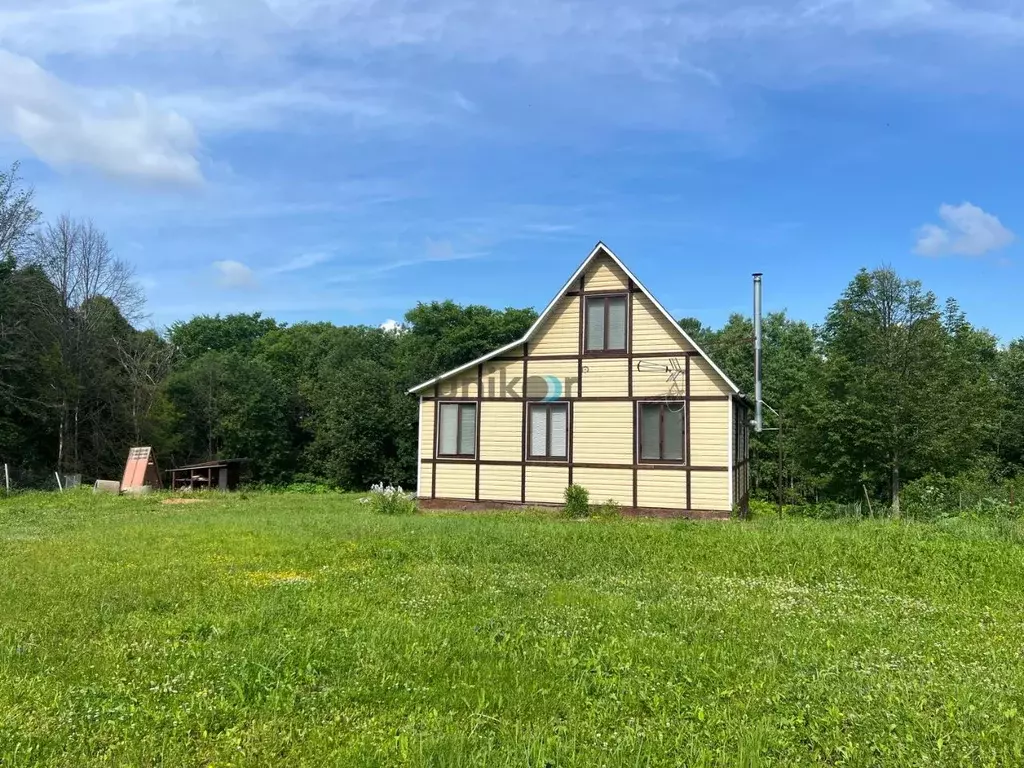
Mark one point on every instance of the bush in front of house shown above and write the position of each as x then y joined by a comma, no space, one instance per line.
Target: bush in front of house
390,500
577,501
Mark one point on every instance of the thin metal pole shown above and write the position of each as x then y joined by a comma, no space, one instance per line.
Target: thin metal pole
758,413
7,479
780,468
59,486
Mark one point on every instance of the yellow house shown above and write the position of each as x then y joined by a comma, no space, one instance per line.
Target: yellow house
605,390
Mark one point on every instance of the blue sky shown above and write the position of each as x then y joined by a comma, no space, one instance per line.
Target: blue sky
343,160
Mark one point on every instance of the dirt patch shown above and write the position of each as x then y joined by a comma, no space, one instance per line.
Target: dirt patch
183,501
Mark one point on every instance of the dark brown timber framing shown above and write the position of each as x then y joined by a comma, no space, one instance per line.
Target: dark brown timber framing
569,438
596,399
579,349
686,436
619,354
479,421
526,425
632,289
629,390
433,446
582,465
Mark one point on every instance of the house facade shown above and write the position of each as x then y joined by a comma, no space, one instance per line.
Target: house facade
606,391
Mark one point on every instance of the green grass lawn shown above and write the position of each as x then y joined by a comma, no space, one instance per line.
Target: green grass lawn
303,630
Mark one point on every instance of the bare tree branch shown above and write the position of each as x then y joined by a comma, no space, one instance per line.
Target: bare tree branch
18,216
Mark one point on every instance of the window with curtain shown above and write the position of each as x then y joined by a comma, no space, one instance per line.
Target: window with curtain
661,428
456,432
606,324
549,430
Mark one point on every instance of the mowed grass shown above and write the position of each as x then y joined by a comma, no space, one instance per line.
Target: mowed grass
302,630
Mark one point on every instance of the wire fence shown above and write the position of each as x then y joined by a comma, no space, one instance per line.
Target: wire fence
15,479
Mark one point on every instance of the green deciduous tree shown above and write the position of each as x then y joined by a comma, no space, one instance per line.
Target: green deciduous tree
231,333
907,386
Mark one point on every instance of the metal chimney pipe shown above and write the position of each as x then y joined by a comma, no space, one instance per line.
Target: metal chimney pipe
758,414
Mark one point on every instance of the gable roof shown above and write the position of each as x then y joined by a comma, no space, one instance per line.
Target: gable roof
599,249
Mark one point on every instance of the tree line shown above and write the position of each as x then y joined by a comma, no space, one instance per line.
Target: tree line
892,386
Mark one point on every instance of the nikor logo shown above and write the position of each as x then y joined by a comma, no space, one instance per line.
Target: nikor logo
500,385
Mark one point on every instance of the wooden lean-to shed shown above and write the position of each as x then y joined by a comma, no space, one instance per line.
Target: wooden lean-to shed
605,390
214,475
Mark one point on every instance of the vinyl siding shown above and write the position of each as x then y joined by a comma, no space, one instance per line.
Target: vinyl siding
709,434
503,379
652,332
603,378
560,333
566,371
650,383
426,448
501,430
710,491
605,484
456,481
604,275
603,433
546,485
463,385
427,430
704,380
665,489
501,483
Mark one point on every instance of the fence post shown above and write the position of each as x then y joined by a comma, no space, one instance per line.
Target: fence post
7,479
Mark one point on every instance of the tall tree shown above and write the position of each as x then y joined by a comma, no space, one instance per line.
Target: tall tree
885,352
145,360
77,260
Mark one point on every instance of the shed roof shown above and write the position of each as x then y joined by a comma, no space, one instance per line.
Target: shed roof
209,464
599,249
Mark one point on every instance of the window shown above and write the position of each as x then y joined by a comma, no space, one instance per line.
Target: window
456,434
548,430
661,432
606,324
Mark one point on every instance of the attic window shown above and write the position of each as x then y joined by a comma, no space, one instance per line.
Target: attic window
606,323
456,434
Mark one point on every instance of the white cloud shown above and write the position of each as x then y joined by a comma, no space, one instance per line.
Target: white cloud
650,36
356,101
392,326
304,261
234,274
67,127
967,231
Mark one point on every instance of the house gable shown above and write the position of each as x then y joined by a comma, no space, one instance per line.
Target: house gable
558,329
